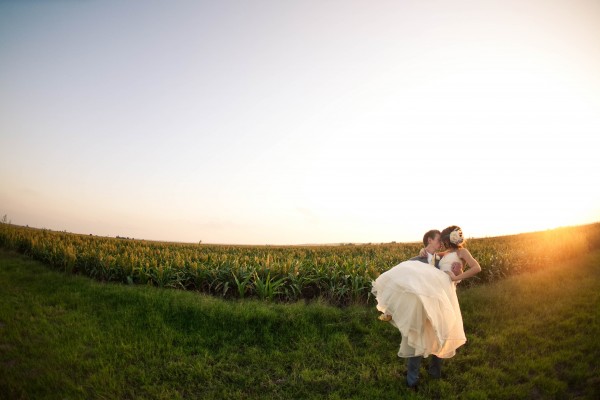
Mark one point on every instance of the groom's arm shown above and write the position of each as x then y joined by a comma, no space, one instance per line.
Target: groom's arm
419,258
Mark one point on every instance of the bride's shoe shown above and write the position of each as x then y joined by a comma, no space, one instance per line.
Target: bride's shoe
385,317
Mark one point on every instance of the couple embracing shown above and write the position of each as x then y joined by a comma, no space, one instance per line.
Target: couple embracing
418,297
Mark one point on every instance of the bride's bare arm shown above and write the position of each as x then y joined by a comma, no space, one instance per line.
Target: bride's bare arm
474,267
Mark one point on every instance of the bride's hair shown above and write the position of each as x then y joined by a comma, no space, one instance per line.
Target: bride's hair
452,237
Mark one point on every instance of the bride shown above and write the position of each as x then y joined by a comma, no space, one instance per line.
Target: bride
420,300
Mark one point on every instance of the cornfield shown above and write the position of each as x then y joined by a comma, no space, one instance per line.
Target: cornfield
338,274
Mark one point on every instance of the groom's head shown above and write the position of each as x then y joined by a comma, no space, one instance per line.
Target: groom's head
431,240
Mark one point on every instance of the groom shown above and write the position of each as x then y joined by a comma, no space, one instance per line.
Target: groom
433,243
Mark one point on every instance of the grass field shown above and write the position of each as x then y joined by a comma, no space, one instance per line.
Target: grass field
62,336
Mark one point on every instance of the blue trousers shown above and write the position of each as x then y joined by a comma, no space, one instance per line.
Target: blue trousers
414,364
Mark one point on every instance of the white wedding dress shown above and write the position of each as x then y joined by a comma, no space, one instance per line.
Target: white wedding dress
422,302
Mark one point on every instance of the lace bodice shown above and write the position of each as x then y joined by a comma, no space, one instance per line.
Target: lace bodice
447,260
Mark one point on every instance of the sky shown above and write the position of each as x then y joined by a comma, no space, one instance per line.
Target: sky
294,122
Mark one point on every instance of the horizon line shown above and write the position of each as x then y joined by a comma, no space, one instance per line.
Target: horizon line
331,244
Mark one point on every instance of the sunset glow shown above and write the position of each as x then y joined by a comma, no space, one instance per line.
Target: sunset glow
299,122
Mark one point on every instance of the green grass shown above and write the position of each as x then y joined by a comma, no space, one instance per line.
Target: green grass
536,335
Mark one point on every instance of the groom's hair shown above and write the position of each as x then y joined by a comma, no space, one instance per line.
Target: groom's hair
430,235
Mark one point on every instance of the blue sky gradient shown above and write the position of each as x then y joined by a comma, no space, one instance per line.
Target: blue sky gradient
299,122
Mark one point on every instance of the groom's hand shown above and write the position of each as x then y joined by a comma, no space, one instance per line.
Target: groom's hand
451,275
457,268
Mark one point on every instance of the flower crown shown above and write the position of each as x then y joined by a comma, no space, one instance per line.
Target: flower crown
456,236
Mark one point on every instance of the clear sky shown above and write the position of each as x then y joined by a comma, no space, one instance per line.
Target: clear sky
289,122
